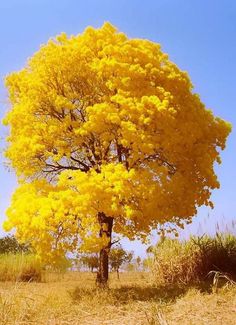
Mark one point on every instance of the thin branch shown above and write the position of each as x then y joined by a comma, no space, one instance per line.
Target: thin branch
114,242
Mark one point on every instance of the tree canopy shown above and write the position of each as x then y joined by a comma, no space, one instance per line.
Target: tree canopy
9,244
100,123
90,261
117,257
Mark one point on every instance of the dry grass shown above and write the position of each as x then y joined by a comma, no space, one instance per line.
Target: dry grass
19,267
192,261
73,299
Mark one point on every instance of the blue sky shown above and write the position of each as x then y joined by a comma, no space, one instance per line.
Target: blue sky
199,37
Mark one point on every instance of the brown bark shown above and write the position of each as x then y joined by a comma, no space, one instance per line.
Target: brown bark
106,224
118,274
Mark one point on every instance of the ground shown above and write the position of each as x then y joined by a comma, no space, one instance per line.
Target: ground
72,299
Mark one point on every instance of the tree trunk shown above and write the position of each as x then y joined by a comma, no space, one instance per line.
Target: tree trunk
106,224
118,273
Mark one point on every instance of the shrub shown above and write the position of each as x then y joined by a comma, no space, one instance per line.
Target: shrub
20,267
191,261
9,244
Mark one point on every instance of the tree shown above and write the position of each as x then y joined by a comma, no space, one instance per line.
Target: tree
9,244
90,261
106,136
117,257
138,263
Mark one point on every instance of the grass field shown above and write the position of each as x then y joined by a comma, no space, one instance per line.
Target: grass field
73,299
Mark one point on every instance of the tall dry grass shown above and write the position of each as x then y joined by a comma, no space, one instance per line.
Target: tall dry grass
193,260
20,267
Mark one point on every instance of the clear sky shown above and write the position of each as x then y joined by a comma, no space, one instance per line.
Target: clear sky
198,35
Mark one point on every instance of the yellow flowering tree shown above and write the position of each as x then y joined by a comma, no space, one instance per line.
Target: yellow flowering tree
106,134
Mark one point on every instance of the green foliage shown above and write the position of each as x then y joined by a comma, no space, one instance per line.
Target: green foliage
20,267
90,261
119,256
192,261
9,244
